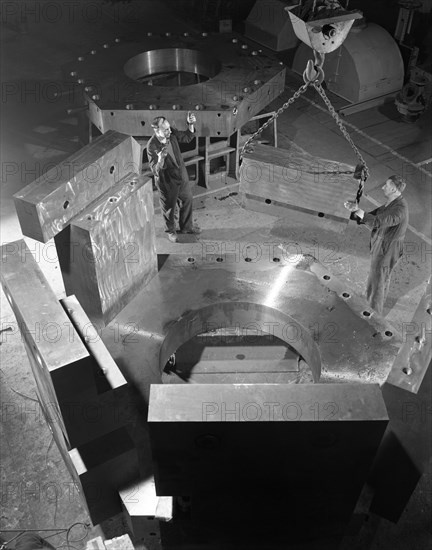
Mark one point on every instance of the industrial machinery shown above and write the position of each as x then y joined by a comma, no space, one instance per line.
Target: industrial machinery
296,449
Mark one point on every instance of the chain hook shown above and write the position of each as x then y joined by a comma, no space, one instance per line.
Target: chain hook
314,72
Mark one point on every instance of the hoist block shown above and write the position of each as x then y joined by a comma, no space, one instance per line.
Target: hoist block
276,181
325,34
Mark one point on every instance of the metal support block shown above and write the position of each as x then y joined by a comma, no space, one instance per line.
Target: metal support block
143,509
103,467
108,253
47,205
314,443
62,367
276,181
415,355
82,392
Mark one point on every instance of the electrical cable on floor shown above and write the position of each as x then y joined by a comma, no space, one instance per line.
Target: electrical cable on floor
59,531
17,392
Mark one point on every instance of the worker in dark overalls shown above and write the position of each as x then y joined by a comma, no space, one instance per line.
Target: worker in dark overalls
171,177
388,224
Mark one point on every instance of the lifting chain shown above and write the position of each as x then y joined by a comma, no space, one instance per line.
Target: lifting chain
314,75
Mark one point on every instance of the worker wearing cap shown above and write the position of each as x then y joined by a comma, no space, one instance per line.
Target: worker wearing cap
388,224
171,177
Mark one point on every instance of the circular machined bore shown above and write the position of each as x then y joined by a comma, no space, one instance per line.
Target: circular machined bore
162,65
240,314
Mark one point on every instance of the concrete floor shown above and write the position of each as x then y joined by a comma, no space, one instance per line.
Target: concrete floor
36,489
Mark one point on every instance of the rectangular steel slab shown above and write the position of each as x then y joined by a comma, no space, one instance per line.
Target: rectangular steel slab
294,179
46,206
308,440
81,390
108,253
60,361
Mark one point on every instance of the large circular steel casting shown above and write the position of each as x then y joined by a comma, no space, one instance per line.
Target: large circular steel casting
119,82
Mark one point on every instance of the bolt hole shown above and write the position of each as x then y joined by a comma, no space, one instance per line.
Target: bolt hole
366,313
346,295
248,259
276,260
219,259
142,122
113,199
267,201
218,133
112,169
133,182
191,260
65,205
388,333
112,114
407,371
326,277
219,114
89,218
240,356
321,215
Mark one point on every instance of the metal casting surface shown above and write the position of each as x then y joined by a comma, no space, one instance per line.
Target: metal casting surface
415,355
275,179
47,205
120,82
292,297
109,251
204,439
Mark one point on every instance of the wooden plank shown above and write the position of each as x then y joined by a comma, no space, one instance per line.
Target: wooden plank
108,253
103,467
298,179
46,206
143,509
395,134
373,117
416,152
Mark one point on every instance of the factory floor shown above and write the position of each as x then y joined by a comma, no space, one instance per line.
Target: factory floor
36,489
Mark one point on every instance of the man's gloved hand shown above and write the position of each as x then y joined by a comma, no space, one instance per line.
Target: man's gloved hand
352,206
360,172
191,118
